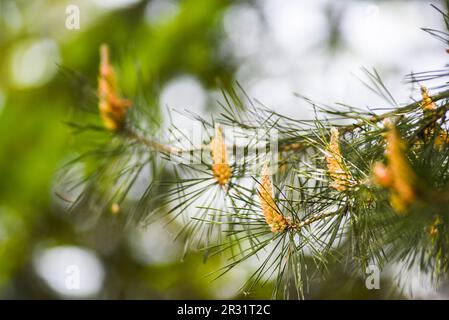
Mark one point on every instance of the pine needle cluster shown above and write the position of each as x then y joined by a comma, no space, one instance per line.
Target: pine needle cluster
372,191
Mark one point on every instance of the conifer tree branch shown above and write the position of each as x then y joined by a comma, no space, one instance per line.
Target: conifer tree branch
366,194
292,146
317,217
398,111
153,144
299,146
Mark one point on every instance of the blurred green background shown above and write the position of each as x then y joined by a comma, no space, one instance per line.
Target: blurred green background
172,50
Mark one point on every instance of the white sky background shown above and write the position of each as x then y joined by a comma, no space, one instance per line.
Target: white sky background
289,56
281,49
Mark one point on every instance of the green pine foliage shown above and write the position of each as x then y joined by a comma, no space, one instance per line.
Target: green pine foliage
351,216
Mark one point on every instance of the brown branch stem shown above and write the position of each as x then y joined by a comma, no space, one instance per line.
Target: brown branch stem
315,218
374,119
293,146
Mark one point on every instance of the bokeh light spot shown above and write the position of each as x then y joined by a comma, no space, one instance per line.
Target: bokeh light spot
115,4
70,271
159,11
34,62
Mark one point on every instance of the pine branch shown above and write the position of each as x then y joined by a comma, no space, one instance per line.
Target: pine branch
295,146
362,192
316,217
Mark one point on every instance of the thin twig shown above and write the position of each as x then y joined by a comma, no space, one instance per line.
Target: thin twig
315,218
375,119
293,146
407,108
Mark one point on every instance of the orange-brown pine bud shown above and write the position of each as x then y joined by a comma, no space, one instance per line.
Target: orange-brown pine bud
220,167
442,138
115,208
427,102
398,175
382,175
273,217
433,230
112,108
341,178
